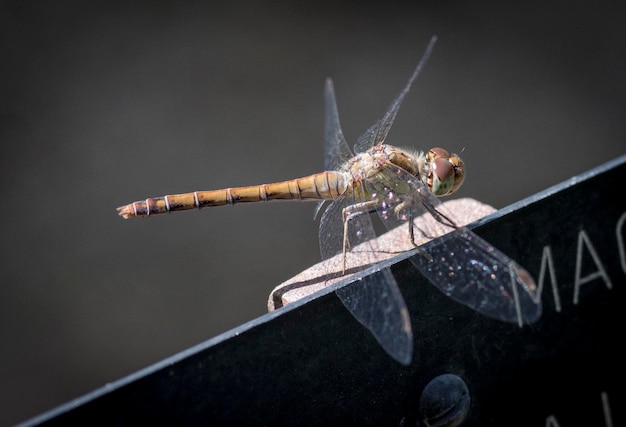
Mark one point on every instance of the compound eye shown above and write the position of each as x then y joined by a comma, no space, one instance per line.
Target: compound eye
446,171
439,152
442,179
443,169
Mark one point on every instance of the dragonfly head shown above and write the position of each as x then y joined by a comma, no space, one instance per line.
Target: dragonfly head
444,172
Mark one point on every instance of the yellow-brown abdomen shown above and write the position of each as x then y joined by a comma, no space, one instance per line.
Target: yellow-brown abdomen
320,186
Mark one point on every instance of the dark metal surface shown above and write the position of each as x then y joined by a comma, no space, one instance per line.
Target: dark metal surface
311,363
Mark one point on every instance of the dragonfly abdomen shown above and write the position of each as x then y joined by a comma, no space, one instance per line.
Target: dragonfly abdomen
320,186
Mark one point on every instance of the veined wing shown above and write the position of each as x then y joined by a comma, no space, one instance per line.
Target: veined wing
378,132
473,272
461,264
336,149
376,302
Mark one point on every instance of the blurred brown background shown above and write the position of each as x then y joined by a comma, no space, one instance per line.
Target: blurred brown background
104,103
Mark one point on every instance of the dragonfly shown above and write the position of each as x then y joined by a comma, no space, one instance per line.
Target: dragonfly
398,185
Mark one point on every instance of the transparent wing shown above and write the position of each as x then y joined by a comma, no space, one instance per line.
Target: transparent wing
471,271
379,306
331,231
336,149
376,302
378,132
461,264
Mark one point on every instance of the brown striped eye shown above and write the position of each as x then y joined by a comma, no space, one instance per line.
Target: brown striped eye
446,171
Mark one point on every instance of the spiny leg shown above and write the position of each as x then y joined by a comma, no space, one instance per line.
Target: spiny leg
440,216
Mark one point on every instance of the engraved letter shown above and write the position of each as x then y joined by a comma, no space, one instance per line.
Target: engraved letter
579,281
620,241
546,261
551,421
606,408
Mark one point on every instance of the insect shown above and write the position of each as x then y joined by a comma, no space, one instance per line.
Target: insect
398,185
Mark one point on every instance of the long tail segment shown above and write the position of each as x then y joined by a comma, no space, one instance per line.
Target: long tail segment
321,186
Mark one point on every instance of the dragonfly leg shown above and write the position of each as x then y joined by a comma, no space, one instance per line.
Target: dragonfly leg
348,213
422,252
440,216
411,223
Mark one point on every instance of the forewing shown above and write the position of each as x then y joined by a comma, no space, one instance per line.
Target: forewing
336,150
461,264
378,132
471,271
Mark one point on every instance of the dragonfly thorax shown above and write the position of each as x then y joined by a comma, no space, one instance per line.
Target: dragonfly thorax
441,171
